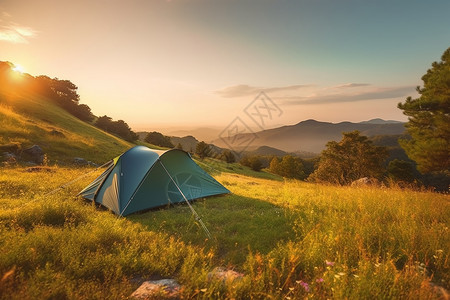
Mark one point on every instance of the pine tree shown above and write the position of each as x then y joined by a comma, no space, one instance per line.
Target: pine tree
429,120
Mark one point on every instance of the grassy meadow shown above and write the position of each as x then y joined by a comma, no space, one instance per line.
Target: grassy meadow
28,119
289,239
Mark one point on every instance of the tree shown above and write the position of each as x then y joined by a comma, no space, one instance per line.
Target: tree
179,146
429,120
352,158
158,139
253,162
289,166
401,170
228,156
83,112
104,122
119,128
203,150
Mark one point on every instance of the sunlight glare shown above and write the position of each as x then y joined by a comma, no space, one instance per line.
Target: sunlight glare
19,69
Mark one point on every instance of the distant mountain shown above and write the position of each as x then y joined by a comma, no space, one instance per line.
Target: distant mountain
266,150
188,142
312,135
202,133
380,121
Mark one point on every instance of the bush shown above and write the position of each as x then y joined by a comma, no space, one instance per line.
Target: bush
203,150
228,156
289,166
253,162
352,158
158,139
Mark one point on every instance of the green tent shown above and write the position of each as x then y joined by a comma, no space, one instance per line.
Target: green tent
143,178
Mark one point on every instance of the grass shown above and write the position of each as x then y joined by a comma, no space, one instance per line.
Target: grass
29,119
290,239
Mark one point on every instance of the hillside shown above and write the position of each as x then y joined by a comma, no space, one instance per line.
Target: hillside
312,135
28,118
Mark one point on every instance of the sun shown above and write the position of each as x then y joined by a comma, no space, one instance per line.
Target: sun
19,69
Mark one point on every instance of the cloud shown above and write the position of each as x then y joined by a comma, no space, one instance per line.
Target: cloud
14,33
378,93
241,90
351,85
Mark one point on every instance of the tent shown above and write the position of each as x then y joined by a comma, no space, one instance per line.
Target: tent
143,178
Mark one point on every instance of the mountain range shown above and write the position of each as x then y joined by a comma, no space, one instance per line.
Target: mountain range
309,135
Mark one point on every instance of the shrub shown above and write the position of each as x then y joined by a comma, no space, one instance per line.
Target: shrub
228,156
253,162
158,139
289,166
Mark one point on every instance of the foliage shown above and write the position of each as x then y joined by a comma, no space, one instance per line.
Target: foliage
429,119
352,158
203,150
61,92
288,166
401,170
158,139
120,128
179,146
228,156
252,161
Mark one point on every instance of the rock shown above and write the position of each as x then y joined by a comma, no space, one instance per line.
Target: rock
57,133
366,181
158,289
80,161
224,274
35,153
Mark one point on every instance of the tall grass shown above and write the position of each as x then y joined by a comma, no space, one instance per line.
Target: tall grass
290,239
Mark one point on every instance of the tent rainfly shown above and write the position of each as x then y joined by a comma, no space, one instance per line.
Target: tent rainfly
143,178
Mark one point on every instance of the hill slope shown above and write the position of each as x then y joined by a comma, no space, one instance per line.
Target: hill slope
27,118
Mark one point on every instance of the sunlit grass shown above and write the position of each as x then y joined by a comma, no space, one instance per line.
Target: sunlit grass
290,239
30,120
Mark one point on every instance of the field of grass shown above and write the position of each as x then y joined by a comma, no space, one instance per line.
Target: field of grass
290,239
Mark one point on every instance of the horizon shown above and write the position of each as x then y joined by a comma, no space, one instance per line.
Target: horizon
191,64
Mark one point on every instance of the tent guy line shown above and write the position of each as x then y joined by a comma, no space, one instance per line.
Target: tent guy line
197,217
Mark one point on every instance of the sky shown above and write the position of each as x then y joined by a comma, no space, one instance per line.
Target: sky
160,64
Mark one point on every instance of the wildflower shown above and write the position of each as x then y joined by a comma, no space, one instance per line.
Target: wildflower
356,276
341,273
305,285
319,279
329,263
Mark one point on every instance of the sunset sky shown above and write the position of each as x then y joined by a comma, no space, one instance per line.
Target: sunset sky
192,63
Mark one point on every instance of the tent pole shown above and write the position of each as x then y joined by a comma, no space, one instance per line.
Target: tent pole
197,217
